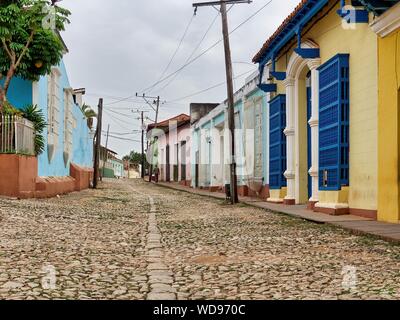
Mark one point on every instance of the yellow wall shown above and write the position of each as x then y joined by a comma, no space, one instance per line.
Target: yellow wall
389,128
361,44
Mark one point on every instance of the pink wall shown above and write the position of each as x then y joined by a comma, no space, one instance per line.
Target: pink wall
172,138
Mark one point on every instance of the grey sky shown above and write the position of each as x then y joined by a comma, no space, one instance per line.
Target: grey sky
120,47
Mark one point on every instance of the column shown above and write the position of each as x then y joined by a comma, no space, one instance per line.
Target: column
314,124
290,143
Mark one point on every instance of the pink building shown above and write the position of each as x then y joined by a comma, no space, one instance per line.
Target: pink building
173,149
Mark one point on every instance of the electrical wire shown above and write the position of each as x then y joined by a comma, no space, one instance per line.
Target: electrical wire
194,50
177,49
212,87
202,53
119,138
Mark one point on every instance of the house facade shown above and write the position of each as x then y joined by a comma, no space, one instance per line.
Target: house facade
172,149
65,165
387,27
211,144
322,66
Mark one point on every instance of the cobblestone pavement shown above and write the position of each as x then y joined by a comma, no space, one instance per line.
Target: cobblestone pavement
133,240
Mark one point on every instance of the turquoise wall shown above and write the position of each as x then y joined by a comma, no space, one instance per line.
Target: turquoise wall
20,94
265,131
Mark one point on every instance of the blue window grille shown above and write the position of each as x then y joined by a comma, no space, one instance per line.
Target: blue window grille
277,142
334,103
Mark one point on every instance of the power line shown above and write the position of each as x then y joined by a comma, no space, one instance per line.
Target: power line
201,54
194,50
123,133
123,139
212,87
118,121
177,49
210,48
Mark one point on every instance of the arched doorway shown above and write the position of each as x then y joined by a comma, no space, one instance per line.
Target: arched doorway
301,131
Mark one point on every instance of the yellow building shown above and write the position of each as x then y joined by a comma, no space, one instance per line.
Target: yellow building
323,64
387,27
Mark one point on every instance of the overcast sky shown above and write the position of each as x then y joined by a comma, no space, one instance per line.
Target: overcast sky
120,47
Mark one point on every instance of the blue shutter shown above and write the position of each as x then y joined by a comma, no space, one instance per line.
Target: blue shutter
334,123
277,142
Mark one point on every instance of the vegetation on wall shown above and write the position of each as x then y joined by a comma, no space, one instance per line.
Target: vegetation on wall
135,159
89,114
30,43
36,116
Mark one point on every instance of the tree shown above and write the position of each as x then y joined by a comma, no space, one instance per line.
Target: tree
135,159
89,114
30,40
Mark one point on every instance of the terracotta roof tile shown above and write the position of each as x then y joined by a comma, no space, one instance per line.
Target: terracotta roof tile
179,118
259,55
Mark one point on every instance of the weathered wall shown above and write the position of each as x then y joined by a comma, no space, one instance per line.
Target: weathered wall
17,175
389,128
361,44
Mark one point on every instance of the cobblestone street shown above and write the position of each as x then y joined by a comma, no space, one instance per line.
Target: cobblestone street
134,240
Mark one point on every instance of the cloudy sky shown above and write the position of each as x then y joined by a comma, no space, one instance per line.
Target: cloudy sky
120,47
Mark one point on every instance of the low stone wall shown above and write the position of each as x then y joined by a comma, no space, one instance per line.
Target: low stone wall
18,175
19,179
83,176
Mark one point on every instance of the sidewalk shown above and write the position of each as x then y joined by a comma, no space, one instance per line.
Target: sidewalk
355,224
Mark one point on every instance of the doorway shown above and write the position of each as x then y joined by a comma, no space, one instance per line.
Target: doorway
168,165
183,161
309,146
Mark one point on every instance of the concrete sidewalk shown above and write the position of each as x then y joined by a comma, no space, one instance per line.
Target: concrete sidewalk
356,224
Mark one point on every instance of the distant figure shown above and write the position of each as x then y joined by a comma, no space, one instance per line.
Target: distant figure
156,173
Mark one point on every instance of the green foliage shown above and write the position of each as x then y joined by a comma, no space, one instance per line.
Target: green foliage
35,115
135,159
88,112
29,47
9,109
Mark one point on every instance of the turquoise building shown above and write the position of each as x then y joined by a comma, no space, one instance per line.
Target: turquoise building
211,147
69,140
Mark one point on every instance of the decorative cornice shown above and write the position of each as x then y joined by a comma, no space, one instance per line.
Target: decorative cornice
313,123
288,82
288,132
313,172
289,175
387,22
313,63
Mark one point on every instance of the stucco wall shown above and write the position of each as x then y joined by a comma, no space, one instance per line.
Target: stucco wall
389,128
361,44
23,92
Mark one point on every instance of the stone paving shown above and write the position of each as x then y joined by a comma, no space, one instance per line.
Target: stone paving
135,240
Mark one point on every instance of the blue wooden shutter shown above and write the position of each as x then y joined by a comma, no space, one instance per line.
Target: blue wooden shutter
277,142
334,123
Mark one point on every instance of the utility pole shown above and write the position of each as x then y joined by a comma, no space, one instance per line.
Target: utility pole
156,101
142,169
106,159
229,81
143,128
98,144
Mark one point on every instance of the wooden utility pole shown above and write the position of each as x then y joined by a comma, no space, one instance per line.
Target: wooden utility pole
143,162
106,157
98,144
157,103
229,81
152,140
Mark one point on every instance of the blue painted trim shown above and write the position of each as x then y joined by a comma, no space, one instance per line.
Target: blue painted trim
268,87
280,76
308,53
360,15
310,9
334,122
277,142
